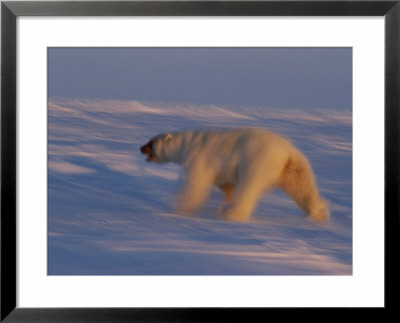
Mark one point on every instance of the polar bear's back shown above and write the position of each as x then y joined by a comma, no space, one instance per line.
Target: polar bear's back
226,150
244,141
236,135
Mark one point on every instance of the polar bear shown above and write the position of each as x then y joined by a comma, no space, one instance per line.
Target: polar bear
243,163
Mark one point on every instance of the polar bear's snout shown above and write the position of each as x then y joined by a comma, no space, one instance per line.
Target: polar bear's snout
147,149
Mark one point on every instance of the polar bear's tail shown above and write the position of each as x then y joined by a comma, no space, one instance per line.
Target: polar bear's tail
298,180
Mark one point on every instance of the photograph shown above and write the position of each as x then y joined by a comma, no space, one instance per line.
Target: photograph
200,161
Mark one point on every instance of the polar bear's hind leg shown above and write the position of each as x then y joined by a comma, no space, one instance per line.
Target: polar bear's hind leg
298,180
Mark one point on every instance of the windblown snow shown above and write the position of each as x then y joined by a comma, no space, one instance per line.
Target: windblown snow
109,210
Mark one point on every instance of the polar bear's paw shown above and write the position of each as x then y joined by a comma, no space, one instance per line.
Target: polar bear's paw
232,214
321,212
182,208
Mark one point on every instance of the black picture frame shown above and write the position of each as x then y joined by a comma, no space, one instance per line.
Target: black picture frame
11,10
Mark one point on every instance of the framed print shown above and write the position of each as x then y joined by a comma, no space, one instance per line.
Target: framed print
139,181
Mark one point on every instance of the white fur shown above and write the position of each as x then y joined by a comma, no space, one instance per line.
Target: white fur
243,163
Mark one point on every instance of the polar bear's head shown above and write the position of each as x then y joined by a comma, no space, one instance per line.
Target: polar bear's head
162,148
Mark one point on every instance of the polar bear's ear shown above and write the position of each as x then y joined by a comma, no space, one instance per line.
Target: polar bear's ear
168,137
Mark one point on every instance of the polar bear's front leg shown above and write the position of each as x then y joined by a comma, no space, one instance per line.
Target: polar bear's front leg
194,192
